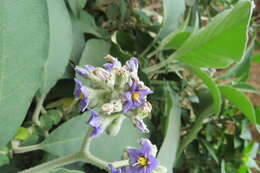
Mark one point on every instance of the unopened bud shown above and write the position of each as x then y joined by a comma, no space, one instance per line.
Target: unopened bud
108,108
117,105
110,58
101,73
115,126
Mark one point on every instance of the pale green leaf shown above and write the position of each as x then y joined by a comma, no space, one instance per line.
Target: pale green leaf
170,21
60,44
76,6
23,50
67,139
221,42
172,136
240,100
94,52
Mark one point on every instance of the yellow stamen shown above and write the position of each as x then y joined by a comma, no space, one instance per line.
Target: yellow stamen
135,96
81,96
143,161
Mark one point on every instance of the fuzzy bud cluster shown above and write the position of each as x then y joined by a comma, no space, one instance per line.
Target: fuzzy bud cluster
110,92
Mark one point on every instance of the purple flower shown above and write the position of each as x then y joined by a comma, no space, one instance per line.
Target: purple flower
109,66
132,65
135,97
114,170
85,70
95,122
82,94
142,160
141,125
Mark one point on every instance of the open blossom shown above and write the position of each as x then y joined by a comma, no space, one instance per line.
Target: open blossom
142,160
95,122
135,98
85,70
119,170
82,94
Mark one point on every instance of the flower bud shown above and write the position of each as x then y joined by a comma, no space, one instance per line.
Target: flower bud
108,108
117,105
115,126
110,58
101,73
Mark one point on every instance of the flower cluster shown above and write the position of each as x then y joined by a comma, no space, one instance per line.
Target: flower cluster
112,91
142,160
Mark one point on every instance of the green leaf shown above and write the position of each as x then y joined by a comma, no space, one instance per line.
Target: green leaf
223,167
23,51
221,42
4,159
211,150
256,58
204,111
212,86
175,40
244,87
60,44
76,6
240,100
88,25
22,134
94,52
67,139
61,170
173,125
240,70
170,21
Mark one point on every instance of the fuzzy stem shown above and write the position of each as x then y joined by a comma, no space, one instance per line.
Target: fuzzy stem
55,163
37,111
26,149
121,163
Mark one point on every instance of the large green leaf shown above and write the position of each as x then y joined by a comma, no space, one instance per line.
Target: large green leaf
23,51
240,100
170,21
212,86
68,137
94,52
221,42
60,44
168,150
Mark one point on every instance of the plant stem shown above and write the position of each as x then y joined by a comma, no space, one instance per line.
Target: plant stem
55,163
156,67
121,163
193,132
37,111
25,149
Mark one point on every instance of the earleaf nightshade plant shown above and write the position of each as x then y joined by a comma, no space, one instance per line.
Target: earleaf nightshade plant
128,86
